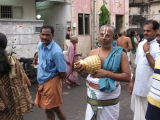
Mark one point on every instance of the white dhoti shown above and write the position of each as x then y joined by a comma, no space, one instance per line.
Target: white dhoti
103,113
139,107
128,55
110,112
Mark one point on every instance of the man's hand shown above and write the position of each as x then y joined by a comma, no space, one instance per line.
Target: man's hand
151,61
131,84
130,88
146,47
99,73
80,69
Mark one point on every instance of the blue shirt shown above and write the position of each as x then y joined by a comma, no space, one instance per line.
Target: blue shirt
51,61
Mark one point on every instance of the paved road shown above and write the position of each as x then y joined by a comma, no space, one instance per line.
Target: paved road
74,104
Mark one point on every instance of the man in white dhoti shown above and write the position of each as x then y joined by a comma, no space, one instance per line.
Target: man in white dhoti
147,52
103,88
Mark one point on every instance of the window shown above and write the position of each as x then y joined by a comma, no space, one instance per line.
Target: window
11,12
37,29
83,24
6,11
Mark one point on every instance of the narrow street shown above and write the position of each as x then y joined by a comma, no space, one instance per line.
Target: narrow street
74,104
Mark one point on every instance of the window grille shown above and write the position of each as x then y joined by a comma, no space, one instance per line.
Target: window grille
6,12
15,12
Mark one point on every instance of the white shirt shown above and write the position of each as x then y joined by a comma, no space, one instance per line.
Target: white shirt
143,70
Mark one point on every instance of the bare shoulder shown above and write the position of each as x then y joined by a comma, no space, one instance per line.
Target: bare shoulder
128,38
118,39
124,54
124,57
94,52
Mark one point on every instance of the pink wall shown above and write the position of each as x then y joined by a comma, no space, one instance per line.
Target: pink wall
80,6
117,6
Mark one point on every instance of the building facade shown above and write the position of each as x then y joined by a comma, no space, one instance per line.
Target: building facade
57,14
75,14
18,22
119,14
81,22
142,10
155,10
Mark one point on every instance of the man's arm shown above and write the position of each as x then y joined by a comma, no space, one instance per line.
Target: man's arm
125,74
80,69
131,84
129,44
60,64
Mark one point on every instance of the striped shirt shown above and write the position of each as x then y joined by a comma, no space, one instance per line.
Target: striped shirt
154,94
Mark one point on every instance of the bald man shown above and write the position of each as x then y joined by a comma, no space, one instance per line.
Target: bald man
102,95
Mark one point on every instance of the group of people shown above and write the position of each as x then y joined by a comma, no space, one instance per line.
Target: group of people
143,81
144,60
103,85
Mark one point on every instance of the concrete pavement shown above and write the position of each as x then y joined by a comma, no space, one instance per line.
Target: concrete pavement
75,105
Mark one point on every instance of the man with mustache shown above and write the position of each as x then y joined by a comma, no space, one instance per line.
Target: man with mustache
147,52
158,36
51,72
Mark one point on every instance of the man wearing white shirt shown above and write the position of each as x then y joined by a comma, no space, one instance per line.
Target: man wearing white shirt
147,52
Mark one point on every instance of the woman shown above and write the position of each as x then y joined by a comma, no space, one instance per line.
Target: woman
71,58
15,98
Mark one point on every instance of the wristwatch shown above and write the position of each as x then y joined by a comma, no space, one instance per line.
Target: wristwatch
147,52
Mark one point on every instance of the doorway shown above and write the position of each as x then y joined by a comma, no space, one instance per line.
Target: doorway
119,23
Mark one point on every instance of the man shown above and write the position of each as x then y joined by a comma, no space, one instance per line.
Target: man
103,88
153,109
134,41
147,52
51,71
158,36
153,97
125,42
15,98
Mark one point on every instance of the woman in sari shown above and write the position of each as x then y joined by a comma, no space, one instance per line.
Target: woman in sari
15,98
71,58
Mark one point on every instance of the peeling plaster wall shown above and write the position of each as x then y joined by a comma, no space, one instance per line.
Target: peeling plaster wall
139,13
115,7
22,35
155,11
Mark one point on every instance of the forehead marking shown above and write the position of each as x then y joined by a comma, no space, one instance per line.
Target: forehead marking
105,29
